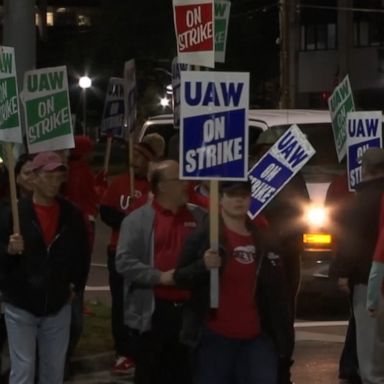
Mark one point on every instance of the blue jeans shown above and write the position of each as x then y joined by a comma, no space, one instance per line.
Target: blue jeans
52,335
221,360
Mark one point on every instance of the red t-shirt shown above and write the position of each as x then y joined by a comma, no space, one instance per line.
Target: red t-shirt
48,217
80,187
237,316
171,230
118,196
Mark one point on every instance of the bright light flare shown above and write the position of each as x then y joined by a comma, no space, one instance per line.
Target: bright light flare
164,102
316,216
85,82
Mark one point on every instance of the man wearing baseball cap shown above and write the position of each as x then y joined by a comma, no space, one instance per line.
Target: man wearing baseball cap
45,265
115,205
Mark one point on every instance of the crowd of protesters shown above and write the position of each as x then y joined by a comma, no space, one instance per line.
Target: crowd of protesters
159,260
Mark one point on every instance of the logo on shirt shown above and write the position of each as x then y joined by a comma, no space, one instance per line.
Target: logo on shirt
125,200
190,224
245,254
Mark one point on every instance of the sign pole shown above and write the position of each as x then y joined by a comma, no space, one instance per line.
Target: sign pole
214,239
107,153
131,171
12,187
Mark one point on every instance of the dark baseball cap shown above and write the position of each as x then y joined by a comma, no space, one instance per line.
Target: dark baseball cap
232,186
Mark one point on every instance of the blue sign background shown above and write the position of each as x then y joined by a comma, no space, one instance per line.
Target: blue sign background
113,109
193,138
277,181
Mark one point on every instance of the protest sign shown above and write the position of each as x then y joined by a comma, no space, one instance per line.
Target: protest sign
10,126
340,103
214,125
176,69
130,106
47,110
363,132
222,12
285,158
195,31
113,114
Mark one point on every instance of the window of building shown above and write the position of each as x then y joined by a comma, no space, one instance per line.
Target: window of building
67,17
369,25
318,37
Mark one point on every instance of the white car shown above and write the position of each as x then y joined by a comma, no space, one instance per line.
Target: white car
318,173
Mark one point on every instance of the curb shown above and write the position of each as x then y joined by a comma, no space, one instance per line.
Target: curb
92,363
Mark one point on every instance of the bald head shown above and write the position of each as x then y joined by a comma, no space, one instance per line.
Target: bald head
162,170
166,184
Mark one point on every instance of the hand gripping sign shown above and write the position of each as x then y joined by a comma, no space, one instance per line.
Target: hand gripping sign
274,170
214,138
47,109
363,132
214,125
195,31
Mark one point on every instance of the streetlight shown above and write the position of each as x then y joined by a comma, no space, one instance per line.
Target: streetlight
164,102
85,82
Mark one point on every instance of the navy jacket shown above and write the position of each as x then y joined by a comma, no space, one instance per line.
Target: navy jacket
272,293
41,279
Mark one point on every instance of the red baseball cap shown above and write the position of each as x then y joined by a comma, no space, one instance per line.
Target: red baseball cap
47,161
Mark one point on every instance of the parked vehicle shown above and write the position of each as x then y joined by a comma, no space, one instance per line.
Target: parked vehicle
318,174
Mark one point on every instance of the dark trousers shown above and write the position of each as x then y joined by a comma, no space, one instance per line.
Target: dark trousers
3,343
124,338
162,359
221,360
292,268
348,364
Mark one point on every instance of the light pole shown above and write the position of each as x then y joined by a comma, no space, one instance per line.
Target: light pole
85,82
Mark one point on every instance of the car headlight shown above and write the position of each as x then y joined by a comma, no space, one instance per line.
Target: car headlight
316,216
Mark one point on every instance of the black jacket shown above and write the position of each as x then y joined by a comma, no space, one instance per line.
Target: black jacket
359,232
272,296
39,280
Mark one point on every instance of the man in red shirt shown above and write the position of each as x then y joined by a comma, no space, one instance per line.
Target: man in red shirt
115,205
150,241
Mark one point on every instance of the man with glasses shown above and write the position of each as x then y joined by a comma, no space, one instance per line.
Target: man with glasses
150,242
45,266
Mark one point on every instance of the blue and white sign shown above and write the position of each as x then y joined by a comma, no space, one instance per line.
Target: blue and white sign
363,132
176,81
113,113
285,158
214,125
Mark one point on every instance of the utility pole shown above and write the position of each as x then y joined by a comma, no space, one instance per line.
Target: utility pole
19,32
284,11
